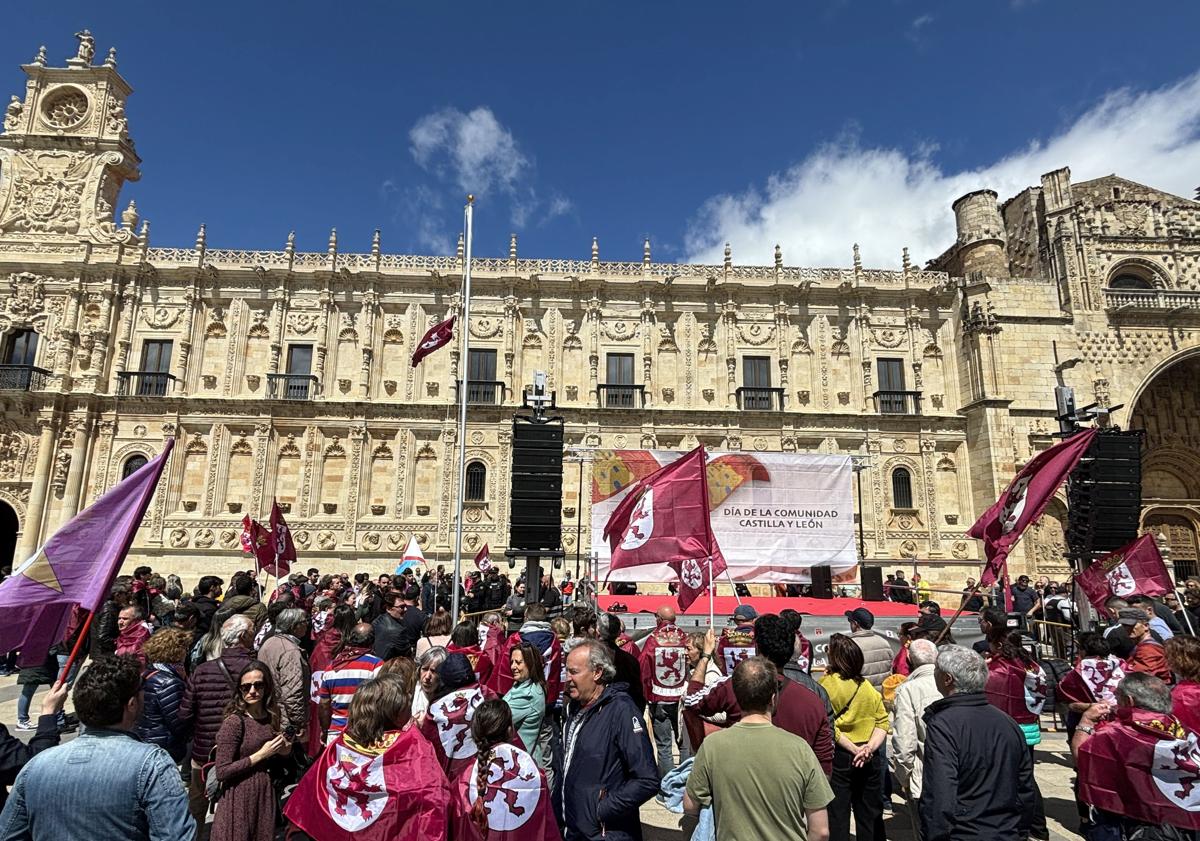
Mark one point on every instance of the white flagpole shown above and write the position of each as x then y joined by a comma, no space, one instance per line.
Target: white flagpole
464,372
712,585
731,584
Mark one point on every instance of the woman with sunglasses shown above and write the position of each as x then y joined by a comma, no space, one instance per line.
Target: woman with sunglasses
247,740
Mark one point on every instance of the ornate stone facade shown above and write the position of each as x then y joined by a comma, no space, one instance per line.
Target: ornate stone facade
285,373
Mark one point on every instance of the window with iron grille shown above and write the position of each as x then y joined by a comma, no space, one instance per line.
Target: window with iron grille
902,496
132,465
476,482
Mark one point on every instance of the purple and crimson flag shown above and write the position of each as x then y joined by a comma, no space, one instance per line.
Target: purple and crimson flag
76,566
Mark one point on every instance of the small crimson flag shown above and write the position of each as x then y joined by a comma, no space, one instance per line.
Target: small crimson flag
435,337
1134,568
256,541
483,559
1145,766
283,550
1023,501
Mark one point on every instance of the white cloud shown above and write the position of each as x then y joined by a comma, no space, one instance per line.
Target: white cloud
888,198
473,149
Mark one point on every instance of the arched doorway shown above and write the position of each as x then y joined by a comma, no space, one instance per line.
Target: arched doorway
1168,412
9,526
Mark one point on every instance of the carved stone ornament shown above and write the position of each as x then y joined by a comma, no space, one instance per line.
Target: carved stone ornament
302,538
889,337
161,318
205,538
179,538
908,549
229,539
756,334
326,540
619,330
48,190
395,541
960,550
302,323
486,328
28,298
371,541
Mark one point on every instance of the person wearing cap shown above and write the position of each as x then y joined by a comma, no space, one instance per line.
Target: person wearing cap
877,654
1025,599
737,643
1148,655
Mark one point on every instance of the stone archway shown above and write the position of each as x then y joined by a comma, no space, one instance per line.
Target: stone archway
10,526
1168,412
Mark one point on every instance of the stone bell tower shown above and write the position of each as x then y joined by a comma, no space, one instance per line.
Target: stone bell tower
65,153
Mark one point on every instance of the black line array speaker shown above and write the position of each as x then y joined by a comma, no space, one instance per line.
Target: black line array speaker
872,583
535,516
1104,495
822,582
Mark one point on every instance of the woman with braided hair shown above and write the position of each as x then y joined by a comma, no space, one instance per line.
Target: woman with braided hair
502,795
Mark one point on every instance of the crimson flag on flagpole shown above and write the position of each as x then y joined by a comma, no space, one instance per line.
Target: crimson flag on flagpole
483,559
1023,501
1136,567
256,541
283,550
435,337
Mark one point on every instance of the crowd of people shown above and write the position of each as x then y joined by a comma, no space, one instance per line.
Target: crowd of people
337,705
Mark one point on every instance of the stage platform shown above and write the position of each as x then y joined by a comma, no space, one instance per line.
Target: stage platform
723,605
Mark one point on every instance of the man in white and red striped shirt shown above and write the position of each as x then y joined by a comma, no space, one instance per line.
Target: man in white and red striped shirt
352,665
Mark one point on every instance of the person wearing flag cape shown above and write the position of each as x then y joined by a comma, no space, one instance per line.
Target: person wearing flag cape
1139,769
379,779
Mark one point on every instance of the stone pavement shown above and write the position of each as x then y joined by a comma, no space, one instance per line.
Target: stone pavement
1054,773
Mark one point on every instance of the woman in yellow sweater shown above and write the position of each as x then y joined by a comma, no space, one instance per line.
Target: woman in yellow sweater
861,725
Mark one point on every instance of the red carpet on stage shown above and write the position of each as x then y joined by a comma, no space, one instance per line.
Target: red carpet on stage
724,605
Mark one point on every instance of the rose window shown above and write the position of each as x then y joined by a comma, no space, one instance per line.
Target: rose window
65,108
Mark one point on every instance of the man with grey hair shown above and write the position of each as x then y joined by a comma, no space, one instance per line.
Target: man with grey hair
208,692
605,749
289,666
1137,764
906,744
979,773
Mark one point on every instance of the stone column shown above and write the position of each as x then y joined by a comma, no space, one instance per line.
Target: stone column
79,446
37,494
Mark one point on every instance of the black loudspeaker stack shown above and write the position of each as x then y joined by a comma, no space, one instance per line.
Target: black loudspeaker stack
822,582
535,518
1104,495
872,583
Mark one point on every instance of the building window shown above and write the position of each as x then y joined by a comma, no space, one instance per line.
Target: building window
891,387
902,488
620,369
22,348
481,377
756,391
476,482
132,465
1129,281
619,390
299,360
154,375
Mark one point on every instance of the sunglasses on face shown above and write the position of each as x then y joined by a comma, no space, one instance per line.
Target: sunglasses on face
256,686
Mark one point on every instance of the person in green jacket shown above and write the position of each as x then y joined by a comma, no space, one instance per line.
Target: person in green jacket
527,700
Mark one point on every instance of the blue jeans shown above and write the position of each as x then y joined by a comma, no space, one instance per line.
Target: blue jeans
23,700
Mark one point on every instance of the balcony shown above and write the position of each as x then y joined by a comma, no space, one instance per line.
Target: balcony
897,402
1151,300
758,399
144,384
622,396
22,378
291,386
481,392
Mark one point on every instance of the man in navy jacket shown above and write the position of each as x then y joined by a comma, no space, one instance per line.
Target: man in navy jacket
608,762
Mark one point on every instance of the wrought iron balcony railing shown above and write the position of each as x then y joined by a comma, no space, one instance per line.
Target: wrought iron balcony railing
482,392
144,384
758,399
291,386
898,402
622,396
22,378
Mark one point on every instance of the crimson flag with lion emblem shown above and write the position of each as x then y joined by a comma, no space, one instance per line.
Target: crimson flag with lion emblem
1145,766
391,790
514,804
1023,501
447,726
1136,567
665,519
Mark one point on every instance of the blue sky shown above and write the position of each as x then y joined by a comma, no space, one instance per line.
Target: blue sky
815,125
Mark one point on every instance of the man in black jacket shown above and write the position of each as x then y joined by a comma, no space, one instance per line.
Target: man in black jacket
207,593
14,753
609,769
399,627
978,775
